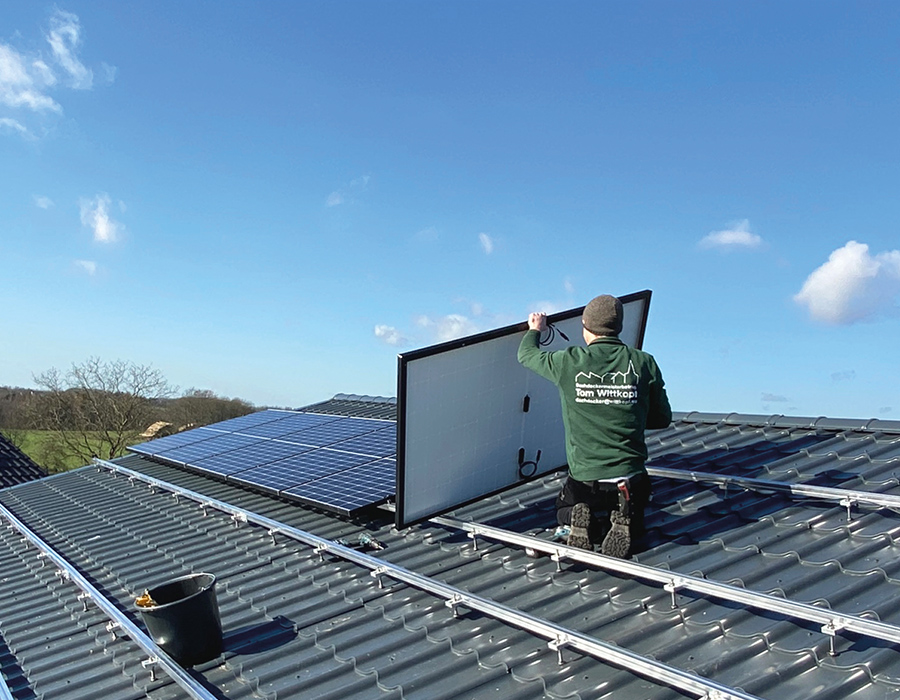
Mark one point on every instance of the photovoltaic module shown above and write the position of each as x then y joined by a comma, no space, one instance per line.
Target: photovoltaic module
339,463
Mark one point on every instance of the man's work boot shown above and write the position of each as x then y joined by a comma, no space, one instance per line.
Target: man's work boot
580,521
617,542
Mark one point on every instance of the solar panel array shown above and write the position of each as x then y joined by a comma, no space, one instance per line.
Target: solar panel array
340,463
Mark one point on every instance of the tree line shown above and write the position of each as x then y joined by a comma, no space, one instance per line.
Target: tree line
97,408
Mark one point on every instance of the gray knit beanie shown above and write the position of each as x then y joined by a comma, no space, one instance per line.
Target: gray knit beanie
603,315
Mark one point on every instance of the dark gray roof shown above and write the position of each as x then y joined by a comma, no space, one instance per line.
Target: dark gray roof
15,465
303,625
358,406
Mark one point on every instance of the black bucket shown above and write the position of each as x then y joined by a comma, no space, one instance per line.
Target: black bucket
185,620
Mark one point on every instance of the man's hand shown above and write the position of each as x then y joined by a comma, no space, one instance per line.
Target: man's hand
537,321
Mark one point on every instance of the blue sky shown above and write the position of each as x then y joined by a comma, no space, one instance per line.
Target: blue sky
271,200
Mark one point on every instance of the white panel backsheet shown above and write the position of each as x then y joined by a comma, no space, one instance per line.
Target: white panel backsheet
461,407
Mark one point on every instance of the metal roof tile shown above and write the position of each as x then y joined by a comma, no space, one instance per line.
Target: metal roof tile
15,466
301,625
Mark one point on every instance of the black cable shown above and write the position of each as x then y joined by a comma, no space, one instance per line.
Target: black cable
529,468
551,336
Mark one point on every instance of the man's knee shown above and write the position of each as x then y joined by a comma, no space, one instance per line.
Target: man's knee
634,490
641,488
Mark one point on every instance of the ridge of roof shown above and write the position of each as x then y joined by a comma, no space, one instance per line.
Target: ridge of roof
779,420
365,398
358,405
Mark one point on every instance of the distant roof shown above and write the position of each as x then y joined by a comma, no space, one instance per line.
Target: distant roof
765,583
357,405
15,465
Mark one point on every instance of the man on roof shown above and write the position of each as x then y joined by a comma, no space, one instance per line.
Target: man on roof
610,394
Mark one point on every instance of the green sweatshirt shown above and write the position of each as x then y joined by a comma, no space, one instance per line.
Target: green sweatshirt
610,394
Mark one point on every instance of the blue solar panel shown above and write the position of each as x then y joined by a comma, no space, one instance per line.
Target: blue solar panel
274,477
170,442
351,489
337,462
292,423
300,468
261,452
223,442
234,425
381,443
335,431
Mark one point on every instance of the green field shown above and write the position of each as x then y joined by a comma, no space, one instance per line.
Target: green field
39,445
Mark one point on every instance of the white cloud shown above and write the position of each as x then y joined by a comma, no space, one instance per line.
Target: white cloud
42,202
448,327
26,79
487,243
64,38
852,285
568,286
12,125
43,72
389,335
107,73
738,236
548,307
21,85
346,194
475,318
427,235
95,215
88,266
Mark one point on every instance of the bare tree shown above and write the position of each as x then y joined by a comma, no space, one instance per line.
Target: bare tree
201,407
97,408
14,408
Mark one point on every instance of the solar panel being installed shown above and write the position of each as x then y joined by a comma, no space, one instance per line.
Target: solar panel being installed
335,462
473,421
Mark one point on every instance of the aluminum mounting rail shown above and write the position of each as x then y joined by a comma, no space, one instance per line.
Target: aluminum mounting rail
832,621
118,620
558,637
846,497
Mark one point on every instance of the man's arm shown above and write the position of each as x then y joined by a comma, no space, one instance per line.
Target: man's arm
659,414
530,354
